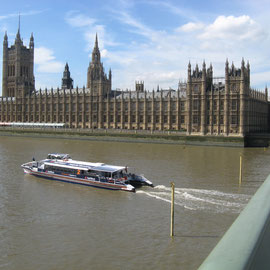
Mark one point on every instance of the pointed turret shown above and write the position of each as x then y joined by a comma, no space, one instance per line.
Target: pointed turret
204,70
204,65
31,43
5,42
96,41
5,67
67,81
197,68
110,74
18,36
227,69
189,69
97,80
96,52
6,37
243,63
243,69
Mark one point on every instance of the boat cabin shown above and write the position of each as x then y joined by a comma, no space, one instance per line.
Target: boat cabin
58,156
84,169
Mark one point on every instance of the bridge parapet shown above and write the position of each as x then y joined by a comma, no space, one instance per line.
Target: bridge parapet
246,245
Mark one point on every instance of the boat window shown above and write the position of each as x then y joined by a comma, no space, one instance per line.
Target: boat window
60,169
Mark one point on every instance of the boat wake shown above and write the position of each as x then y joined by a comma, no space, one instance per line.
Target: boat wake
200,199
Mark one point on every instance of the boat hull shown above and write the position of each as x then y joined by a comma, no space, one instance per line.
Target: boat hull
79,181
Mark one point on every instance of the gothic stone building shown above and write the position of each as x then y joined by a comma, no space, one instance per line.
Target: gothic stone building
201,106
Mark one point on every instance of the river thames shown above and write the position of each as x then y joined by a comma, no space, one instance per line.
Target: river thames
53,225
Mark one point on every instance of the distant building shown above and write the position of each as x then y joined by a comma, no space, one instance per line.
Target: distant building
203,105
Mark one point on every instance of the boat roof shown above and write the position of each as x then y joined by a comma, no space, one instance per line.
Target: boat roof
58,156
82,165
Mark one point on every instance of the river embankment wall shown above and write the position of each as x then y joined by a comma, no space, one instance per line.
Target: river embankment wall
165,137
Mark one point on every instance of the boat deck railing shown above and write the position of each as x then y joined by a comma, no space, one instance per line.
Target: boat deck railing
96,178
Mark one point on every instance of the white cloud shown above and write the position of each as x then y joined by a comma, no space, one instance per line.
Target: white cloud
89,28
79,20
162,56
3,28
45,60
190,27
28,13
104,53
234,28
260,78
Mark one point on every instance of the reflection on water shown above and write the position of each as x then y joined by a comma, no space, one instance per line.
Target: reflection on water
51,225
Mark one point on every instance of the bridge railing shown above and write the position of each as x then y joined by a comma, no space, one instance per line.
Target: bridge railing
246,245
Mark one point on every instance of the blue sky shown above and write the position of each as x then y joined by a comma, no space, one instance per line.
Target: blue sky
147,40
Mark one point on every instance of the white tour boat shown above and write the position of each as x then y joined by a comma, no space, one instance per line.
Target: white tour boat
61,167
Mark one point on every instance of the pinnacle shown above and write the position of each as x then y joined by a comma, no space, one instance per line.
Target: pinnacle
96,42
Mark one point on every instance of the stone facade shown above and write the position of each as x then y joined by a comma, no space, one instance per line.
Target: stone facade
203,105
18,68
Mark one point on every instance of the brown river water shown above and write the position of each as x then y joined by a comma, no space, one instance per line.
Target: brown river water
53,225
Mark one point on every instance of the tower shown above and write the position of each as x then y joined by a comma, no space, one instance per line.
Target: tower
18,67
237,85
97,80
67,81
139,86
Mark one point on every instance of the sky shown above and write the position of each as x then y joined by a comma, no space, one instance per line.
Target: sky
141,40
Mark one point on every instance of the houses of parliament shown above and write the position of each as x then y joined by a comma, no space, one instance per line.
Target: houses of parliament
204,105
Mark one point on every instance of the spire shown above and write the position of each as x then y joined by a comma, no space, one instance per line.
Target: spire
189,70
18,36
96,42
243,63
96,52
5,43
31,43
204,66
19,26
110,74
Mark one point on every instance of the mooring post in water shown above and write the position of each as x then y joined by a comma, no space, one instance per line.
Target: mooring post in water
240,171
172,210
